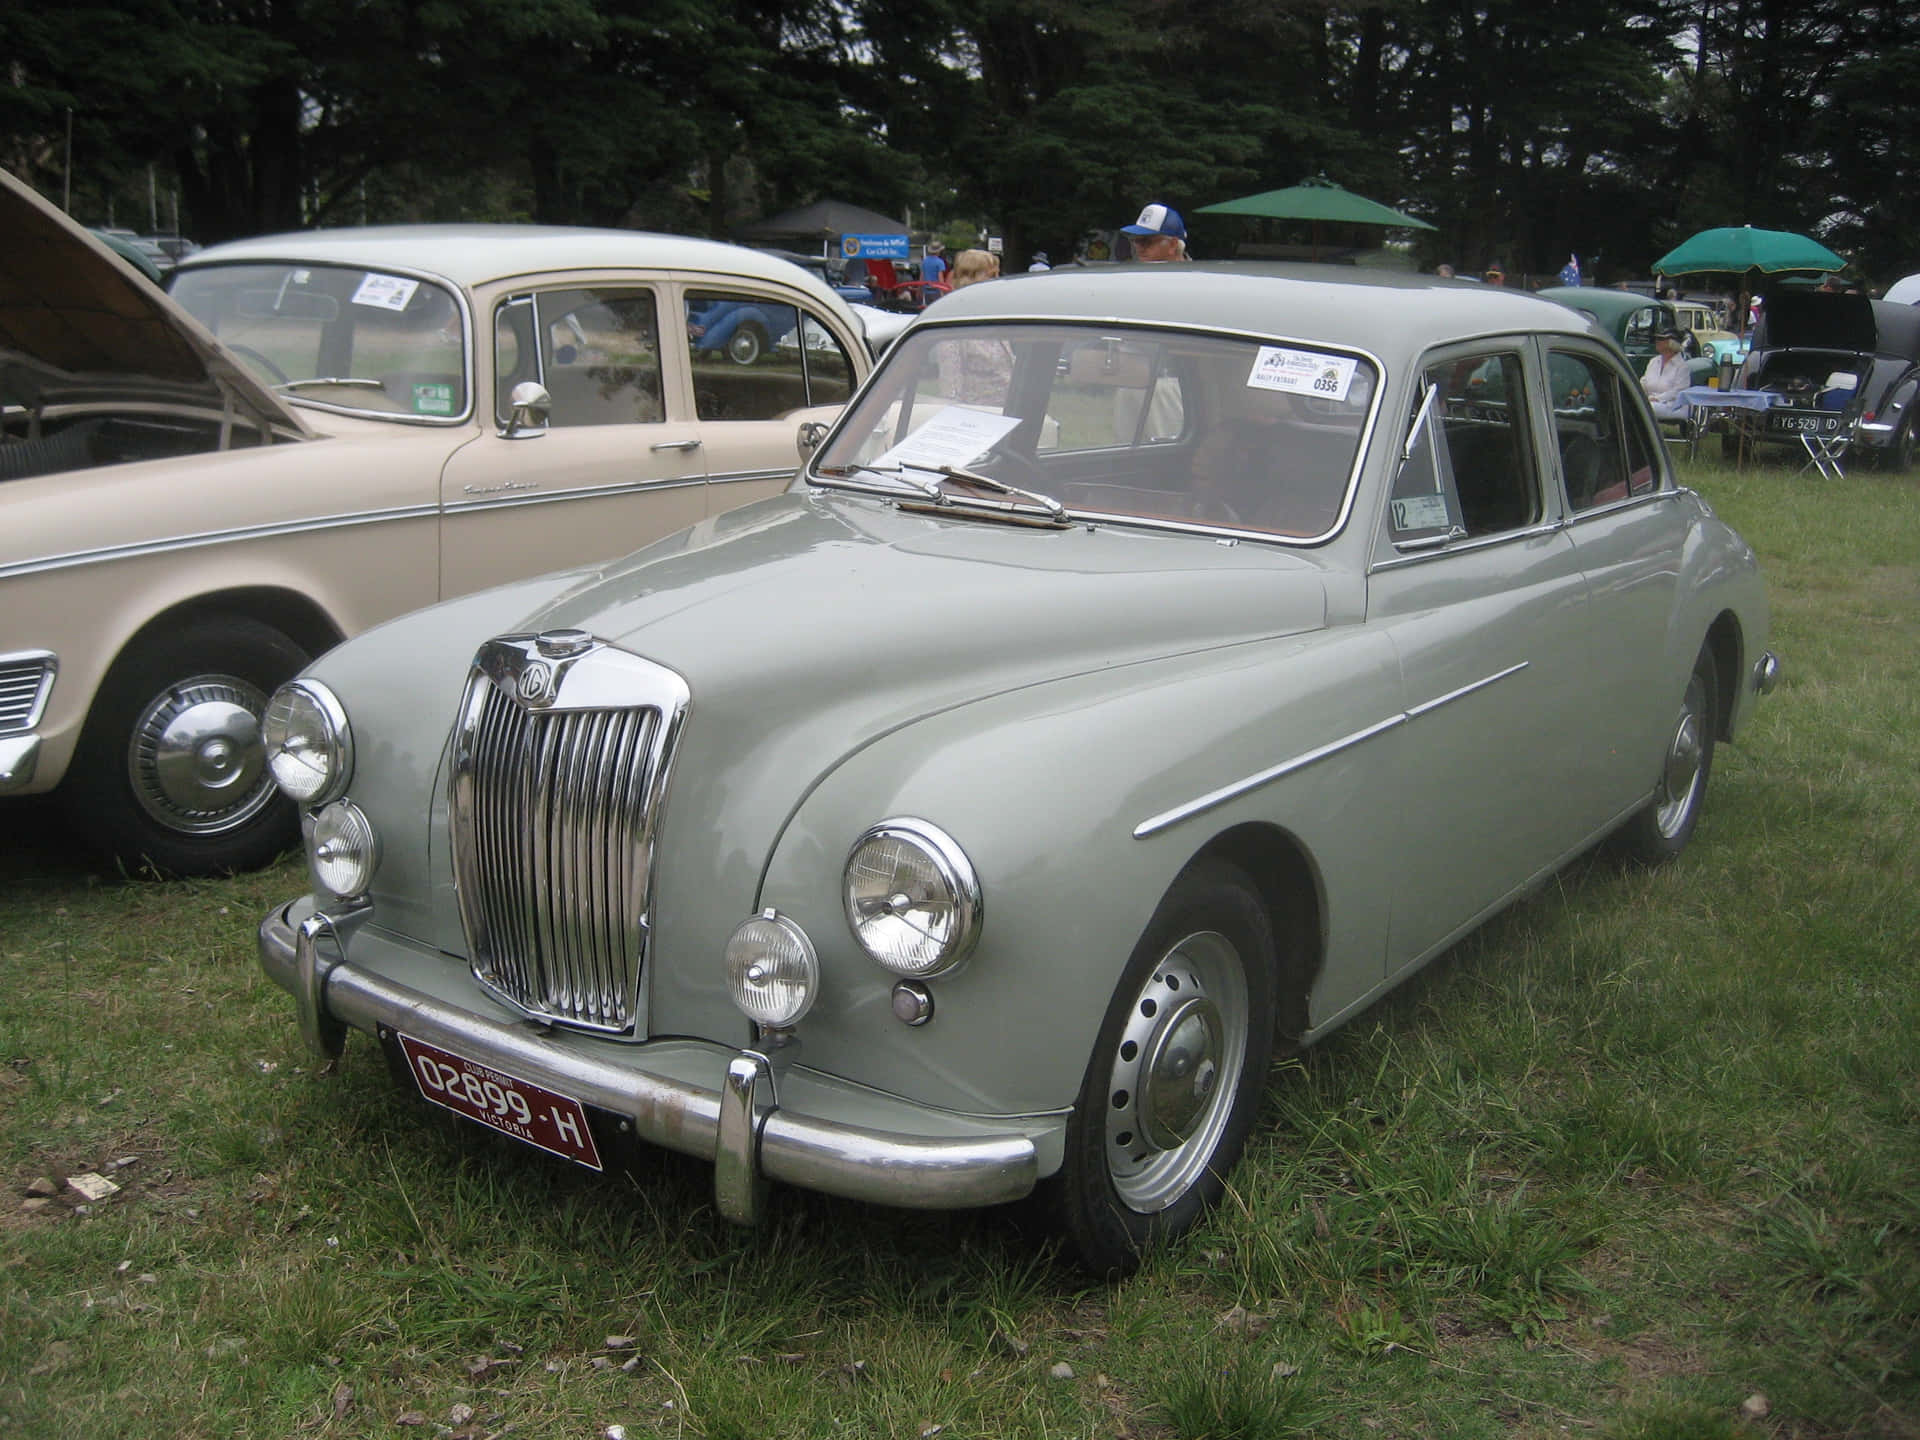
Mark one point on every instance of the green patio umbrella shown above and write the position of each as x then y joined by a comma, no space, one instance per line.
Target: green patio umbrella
1315,200
1736,249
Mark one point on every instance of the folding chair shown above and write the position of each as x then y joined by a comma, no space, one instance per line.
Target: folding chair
1826,453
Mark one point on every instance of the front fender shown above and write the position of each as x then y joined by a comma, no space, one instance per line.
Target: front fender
1045,789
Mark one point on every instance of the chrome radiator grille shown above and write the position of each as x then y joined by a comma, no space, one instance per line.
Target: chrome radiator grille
560,763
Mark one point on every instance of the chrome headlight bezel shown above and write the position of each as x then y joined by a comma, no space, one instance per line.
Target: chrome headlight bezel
309,743
343,851
754,941
947,879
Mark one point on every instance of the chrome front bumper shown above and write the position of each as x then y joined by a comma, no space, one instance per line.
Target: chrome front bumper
733,1119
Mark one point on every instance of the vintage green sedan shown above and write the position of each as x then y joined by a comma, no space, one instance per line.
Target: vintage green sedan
1152,667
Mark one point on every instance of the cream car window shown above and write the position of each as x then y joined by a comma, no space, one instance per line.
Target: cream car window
1606,454
597,352
1471,472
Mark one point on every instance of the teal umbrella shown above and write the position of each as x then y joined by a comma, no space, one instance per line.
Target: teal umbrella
1316,199
1736,249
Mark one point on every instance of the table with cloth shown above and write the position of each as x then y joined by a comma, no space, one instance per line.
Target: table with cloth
1739,408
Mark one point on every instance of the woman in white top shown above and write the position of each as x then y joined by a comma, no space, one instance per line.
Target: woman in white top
1666,377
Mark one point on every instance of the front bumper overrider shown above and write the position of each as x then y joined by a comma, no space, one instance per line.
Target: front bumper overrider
700,1099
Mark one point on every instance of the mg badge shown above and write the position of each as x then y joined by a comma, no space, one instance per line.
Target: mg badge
535,682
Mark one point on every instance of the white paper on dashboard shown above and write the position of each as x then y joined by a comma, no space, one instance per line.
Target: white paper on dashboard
954,436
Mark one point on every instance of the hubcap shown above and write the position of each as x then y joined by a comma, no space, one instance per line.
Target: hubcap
1171,1089
1685,753
196,760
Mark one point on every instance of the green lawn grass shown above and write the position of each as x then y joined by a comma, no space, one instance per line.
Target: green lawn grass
1643,1151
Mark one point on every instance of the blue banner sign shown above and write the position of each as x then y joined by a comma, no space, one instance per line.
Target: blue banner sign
874,247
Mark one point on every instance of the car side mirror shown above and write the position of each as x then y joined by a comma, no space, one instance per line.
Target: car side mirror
532,407
808,437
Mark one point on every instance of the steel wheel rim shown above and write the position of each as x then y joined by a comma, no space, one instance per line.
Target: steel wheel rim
196,761
1680,777
1175,1071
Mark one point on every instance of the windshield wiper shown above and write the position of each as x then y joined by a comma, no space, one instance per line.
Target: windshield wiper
352,380
1046,502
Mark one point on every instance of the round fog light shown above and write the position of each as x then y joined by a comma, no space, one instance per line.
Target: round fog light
772,972
341,850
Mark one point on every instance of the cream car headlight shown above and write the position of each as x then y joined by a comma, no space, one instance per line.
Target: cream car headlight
342,849
912,898
772,972
309,744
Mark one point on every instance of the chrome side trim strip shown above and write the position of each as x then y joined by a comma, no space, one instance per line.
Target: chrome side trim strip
216,537
514,499
1213,799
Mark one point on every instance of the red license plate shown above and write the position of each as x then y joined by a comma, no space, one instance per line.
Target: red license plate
541,1117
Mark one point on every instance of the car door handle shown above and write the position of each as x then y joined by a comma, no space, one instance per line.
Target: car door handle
675,445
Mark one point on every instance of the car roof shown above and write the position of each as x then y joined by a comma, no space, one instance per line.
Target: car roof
470,255
1382,312
1596,300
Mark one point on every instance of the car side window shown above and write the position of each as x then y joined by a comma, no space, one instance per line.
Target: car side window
747,355
830,373
1605,452
596,351
1481,467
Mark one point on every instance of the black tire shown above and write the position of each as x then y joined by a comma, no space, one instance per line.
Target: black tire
747,344
170,777
1897,458
1662,828
1197,997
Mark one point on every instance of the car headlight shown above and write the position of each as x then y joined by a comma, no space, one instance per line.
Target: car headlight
342,849
912,898
309,744
772,972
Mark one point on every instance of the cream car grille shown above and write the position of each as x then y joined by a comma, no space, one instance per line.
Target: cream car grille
24,683
560,768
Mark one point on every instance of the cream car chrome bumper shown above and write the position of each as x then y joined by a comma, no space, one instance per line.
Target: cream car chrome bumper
738,1122
19,754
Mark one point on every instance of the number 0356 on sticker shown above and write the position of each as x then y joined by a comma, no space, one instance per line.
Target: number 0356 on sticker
532,1113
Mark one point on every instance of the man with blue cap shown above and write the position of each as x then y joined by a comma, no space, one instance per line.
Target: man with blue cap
1159,234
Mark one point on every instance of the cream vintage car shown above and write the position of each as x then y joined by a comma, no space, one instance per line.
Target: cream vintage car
360,423
1158,664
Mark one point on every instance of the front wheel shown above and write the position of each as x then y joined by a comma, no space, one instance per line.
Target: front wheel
1661,830
1176,1074
170,777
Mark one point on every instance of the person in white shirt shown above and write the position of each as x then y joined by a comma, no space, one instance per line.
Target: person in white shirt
1666,377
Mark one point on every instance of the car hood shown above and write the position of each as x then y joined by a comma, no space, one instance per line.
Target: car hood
77,323
836,604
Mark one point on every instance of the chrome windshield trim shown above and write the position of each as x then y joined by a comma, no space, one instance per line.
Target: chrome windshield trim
1213,799
215,537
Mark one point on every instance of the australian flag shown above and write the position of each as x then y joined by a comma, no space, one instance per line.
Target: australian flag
1570,272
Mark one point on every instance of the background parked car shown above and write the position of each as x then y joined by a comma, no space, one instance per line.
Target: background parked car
386,418
1158,664
1840,364
1630,320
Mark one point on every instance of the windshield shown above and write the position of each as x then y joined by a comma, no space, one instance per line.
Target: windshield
1135,424
340,336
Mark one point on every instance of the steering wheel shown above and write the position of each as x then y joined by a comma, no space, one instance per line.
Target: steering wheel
247,352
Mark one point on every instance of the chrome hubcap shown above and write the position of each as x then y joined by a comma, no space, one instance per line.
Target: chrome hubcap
1685,754
196,759
1171,1089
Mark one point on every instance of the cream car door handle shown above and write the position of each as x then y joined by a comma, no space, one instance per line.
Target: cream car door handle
675,445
